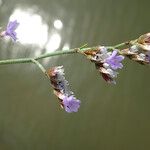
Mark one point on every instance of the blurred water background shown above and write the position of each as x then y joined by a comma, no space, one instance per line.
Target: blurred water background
111,117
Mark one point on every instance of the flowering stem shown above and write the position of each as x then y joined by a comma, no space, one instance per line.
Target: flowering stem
61,52
39,65
119,45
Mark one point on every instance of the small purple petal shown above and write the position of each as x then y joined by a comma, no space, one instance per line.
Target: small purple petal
120,57
10,30
148,56
71,104
114,53
12,25
114,60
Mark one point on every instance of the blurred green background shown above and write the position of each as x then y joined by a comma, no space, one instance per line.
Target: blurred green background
111,117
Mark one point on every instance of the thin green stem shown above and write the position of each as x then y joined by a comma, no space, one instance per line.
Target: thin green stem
122,44
56,53
118,45
61,52
15,61
29,60
39,65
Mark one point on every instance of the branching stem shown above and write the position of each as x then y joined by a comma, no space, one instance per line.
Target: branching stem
56,53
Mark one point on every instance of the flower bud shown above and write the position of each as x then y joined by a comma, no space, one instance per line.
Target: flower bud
143,42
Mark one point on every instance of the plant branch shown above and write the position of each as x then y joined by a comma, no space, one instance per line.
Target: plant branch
56,53
39,65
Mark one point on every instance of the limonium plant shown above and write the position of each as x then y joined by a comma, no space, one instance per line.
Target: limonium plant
107,60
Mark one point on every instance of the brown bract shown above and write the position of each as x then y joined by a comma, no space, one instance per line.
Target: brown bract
89,53
53,76
137,56
140,60
51,72
143,42
93,55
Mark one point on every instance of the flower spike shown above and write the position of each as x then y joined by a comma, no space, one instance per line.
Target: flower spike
106,62
62,91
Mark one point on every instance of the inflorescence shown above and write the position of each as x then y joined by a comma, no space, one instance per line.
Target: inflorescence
107,60
62,91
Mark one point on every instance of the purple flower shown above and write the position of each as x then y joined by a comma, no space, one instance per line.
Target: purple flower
71,104
114,60
148,57
10,30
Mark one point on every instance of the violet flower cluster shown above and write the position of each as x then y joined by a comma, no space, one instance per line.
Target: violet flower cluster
62,91
106,62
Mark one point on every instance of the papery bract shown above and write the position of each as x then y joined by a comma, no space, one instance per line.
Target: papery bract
143,42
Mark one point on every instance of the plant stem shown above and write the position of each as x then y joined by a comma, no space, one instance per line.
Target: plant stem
15,61
118,45
60,52
40,67
29,60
